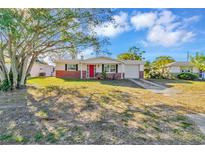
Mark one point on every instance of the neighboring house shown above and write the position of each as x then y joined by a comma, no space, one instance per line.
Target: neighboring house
41,69
176,68
93,67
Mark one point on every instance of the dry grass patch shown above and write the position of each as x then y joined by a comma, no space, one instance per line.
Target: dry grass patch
62,111
192,95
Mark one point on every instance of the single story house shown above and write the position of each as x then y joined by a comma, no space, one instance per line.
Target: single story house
176,68
41,69
92,68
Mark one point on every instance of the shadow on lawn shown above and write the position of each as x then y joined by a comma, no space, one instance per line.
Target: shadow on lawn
67,116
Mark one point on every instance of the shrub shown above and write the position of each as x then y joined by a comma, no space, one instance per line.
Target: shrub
104,75
156,74
5,85
188,76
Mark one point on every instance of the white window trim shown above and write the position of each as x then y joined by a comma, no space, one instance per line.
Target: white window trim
71,69
110,68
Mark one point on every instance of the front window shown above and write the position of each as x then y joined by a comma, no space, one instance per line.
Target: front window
70,67
110,68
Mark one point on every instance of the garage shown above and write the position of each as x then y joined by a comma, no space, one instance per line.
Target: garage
131,71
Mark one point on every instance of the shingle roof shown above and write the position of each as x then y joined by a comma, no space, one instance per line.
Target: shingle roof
135,62
69,61
180,64
132,62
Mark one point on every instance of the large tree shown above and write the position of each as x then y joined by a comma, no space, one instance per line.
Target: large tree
133,53
158,67
199,61
26,34
161,61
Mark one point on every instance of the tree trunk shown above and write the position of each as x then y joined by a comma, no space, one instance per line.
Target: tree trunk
3,70
30,65
2,76
12,54
23,72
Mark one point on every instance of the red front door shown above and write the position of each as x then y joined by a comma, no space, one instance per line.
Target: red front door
91,71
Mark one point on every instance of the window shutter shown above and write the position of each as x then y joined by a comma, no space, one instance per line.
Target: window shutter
116,68
76,67
66,67
102,67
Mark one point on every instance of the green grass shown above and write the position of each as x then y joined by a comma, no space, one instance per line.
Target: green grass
38,137
13,138
127,115
52,81
42,114
51,138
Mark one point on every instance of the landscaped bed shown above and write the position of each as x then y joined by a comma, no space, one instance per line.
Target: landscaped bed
58,111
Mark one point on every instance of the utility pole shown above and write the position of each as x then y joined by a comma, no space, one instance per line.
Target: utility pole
188,56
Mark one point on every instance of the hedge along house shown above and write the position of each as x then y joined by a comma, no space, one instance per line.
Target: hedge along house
176,68
92,68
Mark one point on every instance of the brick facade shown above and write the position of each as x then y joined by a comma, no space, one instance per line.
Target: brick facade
76,75
69,74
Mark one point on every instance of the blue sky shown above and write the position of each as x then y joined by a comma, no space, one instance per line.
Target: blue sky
172,32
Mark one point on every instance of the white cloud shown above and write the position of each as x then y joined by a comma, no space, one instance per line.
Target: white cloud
143,20
192,19
161,36
164,28
87,53
188,36
166,17
113,28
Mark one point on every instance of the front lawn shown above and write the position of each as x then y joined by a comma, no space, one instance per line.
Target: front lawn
191,95
58,111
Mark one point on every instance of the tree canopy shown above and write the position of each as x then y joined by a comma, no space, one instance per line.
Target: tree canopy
133,53
199,61
27,33
162,61
157,68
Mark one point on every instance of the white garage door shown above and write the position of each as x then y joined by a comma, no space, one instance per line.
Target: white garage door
132,71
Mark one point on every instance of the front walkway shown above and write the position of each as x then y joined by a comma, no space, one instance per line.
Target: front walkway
199,120
154,87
